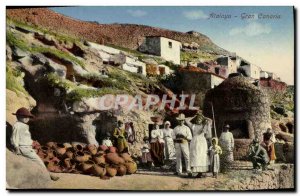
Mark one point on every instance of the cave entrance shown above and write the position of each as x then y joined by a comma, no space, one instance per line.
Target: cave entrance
240,129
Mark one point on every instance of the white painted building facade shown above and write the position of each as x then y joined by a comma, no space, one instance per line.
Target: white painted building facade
166,48
252,70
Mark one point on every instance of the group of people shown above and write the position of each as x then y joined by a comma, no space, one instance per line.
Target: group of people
193,141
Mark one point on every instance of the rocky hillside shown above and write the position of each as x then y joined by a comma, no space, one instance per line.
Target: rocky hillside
125,35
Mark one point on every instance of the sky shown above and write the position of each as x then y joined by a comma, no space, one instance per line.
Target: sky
262,35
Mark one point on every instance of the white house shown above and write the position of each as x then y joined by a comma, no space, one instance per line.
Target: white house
230,63
264,74
166,48
117,57
251,70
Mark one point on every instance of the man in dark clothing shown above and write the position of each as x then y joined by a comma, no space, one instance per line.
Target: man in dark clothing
258,155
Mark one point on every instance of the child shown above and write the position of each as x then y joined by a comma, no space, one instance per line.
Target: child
215,151
106,141
146,155
21,139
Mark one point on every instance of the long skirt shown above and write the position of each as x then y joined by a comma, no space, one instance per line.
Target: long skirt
226,160
146,157
198,154
157,153
121,144
271,152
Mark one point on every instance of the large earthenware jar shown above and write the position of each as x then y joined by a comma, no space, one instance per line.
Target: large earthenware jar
131,167
121,170
60,149
99,170
51,144
81,157
87,167
92,149
69,154
99,159
111,171
68,145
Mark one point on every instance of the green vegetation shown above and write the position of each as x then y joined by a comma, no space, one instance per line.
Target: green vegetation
61,37
79,93
13,80
76,93
13,41
196,56
130,51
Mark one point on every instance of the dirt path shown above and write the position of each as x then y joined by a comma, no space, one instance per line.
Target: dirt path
139,181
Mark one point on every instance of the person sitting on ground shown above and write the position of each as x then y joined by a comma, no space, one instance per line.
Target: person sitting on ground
107,141
146,155
214,152
21,139
258,155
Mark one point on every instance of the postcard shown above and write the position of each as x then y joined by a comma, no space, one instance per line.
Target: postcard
150,98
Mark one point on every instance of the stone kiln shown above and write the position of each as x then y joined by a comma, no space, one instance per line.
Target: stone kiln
243,106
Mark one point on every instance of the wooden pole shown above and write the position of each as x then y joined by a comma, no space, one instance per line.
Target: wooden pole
213,113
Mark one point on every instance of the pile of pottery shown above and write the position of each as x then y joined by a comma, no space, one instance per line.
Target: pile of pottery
99,161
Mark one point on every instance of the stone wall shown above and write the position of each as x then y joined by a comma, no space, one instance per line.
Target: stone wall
243,106
281,178
271,84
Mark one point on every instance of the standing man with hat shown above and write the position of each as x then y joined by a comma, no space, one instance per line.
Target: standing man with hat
182,136
227,145
21,138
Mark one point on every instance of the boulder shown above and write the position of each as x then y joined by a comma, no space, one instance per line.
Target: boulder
22,173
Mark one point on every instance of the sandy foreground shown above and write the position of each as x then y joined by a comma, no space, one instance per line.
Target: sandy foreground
138,181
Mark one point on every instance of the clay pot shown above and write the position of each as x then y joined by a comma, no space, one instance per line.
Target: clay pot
81,157
103,148
92,149
88,154
78,147
114,158
131,167
60,150
126,157
45,149
50,154
111,171
68,145
55,160
67,163
36,145
51,144
51,165
87,167
69,154
112,149
99,159
99,171
121,170
41,154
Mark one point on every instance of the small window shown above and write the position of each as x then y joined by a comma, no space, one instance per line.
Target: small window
170,44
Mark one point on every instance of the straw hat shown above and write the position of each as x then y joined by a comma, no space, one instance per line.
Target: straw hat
181,117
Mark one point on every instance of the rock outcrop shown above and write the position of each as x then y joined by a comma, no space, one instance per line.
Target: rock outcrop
22,173
125,35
